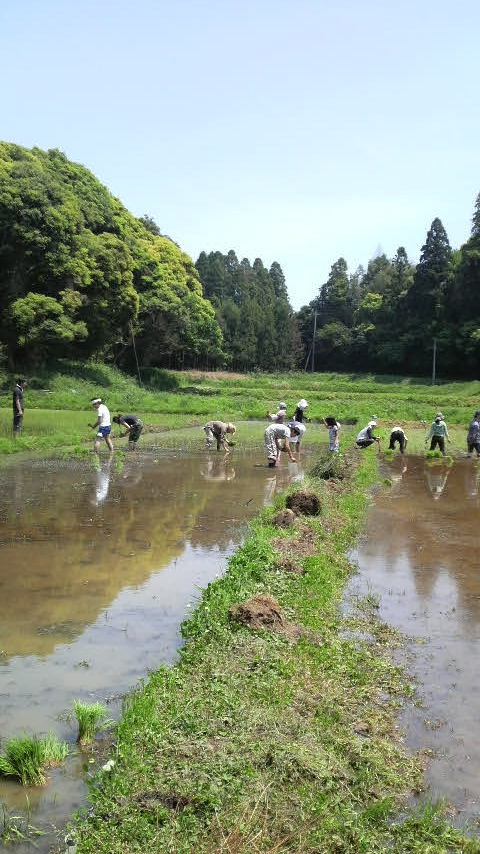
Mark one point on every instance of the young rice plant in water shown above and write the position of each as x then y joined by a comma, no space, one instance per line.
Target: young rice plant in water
27,757
90,717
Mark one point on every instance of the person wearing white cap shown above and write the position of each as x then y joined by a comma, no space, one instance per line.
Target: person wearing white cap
103,425
299,415
438,433
296,437
366,437
280,416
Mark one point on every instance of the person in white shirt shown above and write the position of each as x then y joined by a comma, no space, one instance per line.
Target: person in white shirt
366,437
274,436
103,425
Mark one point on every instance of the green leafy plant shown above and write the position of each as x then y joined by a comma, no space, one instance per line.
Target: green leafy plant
26,758
90,718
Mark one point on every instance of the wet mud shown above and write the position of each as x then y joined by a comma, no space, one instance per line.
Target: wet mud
97,570
420,555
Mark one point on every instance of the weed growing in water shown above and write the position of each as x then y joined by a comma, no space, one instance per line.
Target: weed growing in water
90,718
27,757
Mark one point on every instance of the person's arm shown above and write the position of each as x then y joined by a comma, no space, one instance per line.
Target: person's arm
18,405
288,450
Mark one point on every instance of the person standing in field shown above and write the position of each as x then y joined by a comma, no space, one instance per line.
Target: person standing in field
398,435
366,437
18,407
333,428
438,433
103,425
133,427
218,430
473,435
275,434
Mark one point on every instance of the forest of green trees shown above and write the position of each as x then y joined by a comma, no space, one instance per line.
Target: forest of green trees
80,276
386,318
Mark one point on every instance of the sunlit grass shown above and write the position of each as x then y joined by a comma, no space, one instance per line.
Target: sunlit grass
91,717
26,758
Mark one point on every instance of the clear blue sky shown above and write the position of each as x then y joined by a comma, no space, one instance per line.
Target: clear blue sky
294,132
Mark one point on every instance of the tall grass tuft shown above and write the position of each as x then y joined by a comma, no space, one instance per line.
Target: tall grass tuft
26,758
90,717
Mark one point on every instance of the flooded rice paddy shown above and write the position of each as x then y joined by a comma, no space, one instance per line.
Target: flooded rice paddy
99,567
420,555
97,570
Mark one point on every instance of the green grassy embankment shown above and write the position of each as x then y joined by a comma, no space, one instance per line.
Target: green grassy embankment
273,741
58,410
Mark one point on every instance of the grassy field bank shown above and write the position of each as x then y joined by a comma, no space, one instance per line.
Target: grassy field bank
58,409
280,737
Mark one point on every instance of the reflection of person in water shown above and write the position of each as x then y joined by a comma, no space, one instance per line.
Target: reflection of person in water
102,483
436,477
472,481
218,469
397,470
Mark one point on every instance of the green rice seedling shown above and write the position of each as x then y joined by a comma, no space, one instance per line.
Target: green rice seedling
90,717
26,758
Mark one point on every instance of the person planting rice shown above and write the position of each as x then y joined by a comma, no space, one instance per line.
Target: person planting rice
333,427
299,414
438,433
280,416
133,427
296,438
366,437
275,435
398,435
103,425
218,430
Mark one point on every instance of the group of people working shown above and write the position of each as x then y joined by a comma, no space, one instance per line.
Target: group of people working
282,432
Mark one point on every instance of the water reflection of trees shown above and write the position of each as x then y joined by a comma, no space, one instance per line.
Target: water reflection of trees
408,531
70,541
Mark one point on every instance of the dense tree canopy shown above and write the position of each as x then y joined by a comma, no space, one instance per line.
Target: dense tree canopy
258,324
79,275
385,319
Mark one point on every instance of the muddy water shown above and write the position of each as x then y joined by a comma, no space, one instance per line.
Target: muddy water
97,570
420,554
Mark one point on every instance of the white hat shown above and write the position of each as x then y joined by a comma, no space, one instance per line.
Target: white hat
372,424
282,405
302,404
96,400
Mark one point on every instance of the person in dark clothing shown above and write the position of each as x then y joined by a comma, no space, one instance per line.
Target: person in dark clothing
299,414
133,427
18,407
473,435
398,435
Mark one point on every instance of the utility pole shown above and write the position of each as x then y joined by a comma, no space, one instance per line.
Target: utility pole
313,340
434,361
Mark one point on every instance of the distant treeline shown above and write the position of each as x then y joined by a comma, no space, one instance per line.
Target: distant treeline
385,319
80,276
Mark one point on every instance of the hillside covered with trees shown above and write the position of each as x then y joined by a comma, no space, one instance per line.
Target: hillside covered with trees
81,276
385,318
